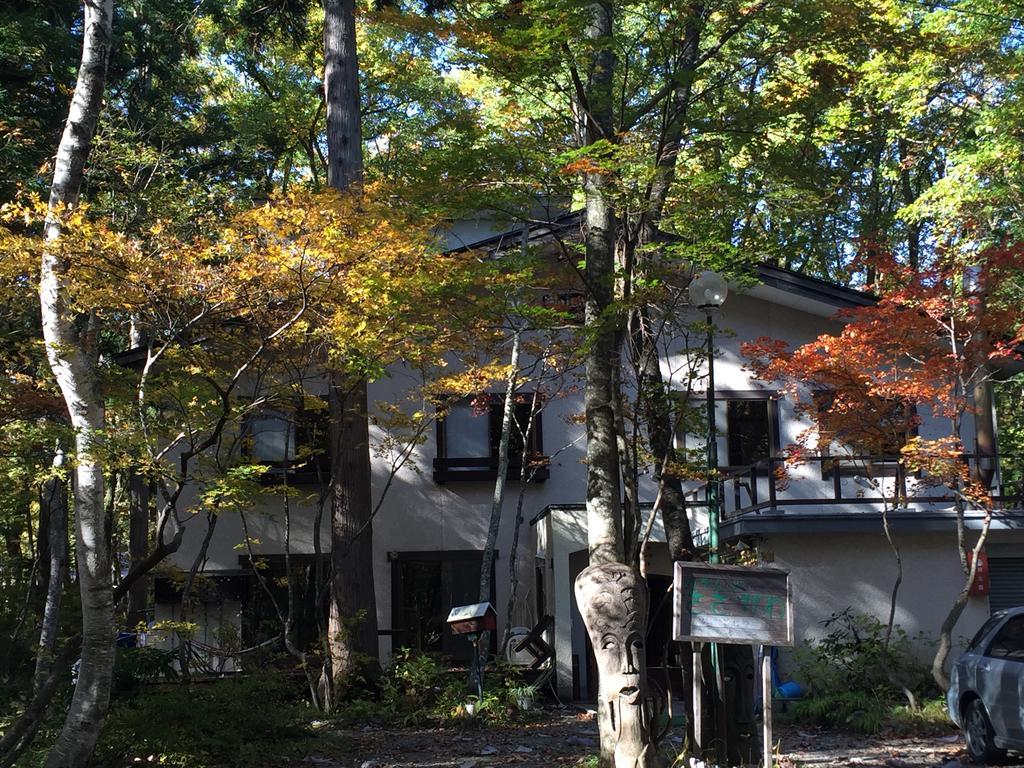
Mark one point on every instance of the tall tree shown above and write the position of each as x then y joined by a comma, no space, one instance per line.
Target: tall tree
353,609
624,714
71,347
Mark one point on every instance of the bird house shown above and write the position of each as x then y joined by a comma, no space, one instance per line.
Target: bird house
472,619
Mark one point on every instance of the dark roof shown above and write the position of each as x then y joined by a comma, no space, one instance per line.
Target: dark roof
538,231
812,287
794,283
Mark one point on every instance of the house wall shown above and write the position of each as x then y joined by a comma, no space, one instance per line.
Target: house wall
421,515
829,573
417,514
747,317
216,631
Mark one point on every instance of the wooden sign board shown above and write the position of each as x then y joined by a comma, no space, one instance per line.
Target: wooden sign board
732,604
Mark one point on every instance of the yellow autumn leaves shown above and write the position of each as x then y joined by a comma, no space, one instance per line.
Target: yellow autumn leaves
353,280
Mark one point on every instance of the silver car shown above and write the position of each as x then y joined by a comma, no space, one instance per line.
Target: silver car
986,691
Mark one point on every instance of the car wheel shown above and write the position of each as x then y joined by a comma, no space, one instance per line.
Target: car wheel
981,747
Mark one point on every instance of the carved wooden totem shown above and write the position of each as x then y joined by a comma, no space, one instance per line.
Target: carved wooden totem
612,599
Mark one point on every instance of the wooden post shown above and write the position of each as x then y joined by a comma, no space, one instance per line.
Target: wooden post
766,704
698,715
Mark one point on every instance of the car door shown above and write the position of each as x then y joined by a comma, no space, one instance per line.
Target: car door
1003,687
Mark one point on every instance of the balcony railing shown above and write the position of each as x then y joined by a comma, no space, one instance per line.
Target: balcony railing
836,481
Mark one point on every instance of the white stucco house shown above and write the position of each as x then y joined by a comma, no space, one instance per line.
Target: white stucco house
824,527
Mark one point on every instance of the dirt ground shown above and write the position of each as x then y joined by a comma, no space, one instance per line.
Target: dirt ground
823,749
562,740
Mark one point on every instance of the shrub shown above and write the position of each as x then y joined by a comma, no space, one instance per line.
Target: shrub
853,657
148,664
417,688
244,721
858,683
849,710
863,713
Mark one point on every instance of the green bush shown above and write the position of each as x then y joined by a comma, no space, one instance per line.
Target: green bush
848,710
148,664
852,657
244,721
417,689
856,682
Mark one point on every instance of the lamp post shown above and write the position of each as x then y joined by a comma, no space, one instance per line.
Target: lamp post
708,292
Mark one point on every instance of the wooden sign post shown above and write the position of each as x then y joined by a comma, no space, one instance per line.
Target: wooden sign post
733,604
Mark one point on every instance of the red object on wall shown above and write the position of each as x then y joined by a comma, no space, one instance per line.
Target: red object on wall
979,587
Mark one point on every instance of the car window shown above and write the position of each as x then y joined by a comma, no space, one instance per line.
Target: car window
981,633
1009,640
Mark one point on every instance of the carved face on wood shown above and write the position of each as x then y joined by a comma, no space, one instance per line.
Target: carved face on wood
613,603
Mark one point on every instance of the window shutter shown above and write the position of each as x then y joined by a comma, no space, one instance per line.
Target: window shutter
1006,582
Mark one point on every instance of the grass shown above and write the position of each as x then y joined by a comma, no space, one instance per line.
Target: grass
252,721
860,712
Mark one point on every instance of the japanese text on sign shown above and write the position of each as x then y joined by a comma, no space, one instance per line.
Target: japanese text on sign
732,604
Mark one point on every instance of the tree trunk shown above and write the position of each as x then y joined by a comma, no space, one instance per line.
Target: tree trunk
498,499
913,227
138,545
341,92
353,614
613,603
604,502
18,736
71,358
53,504
353,610
623,709
945,642
198,564
656,411
526,473
655,406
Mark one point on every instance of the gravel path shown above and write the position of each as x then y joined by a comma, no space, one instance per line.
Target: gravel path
555,741
563,740
814,748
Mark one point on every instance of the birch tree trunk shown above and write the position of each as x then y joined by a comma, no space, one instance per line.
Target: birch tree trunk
352,625
498,500
71,355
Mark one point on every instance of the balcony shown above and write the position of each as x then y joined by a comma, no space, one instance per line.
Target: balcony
839,491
